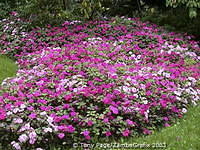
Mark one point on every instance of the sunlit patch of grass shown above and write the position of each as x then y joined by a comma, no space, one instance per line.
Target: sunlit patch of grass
8,68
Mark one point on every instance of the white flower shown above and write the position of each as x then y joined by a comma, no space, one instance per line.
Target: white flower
184,110
18,120
166,74
187,90
43,113
22,106
126,89
142,86
39,149
136,95
47,130
9,113
139,56
177,93
145,102
133,89
160,71
178,98
188,84
15,110
49,120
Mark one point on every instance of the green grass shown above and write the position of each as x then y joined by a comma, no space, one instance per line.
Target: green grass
184,135
8,68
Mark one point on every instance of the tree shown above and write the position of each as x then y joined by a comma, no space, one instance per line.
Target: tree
192,5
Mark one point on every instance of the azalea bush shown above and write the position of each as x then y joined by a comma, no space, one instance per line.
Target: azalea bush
83,80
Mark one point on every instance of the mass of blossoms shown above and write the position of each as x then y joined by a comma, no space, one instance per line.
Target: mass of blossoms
83,80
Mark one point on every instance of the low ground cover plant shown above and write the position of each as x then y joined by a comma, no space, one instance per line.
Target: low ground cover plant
82,80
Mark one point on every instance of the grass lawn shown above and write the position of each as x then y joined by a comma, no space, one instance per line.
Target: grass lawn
184,135
7,68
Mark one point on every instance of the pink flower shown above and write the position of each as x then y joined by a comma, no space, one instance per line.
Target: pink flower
32,116
86,133
129,122
114,109
32,140
167,125
61,135
2,114
146,131
68,97
90,123
32,137
165,118
73,114
106,120
108,133
70,129
87,137
107,100
65,117
126,132
14,13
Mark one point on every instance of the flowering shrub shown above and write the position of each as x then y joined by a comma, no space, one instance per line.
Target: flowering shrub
12,29
119,77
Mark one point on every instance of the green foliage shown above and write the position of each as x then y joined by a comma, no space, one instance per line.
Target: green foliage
193,5
172,21
4,11
91,8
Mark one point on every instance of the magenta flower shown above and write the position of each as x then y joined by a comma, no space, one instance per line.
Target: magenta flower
126,132
114,109
61,135
90,123
2,114
32,116
108,133
86,133
70,129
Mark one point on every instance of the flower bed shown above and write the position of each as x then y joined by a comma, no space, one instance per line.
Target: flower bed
119,77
